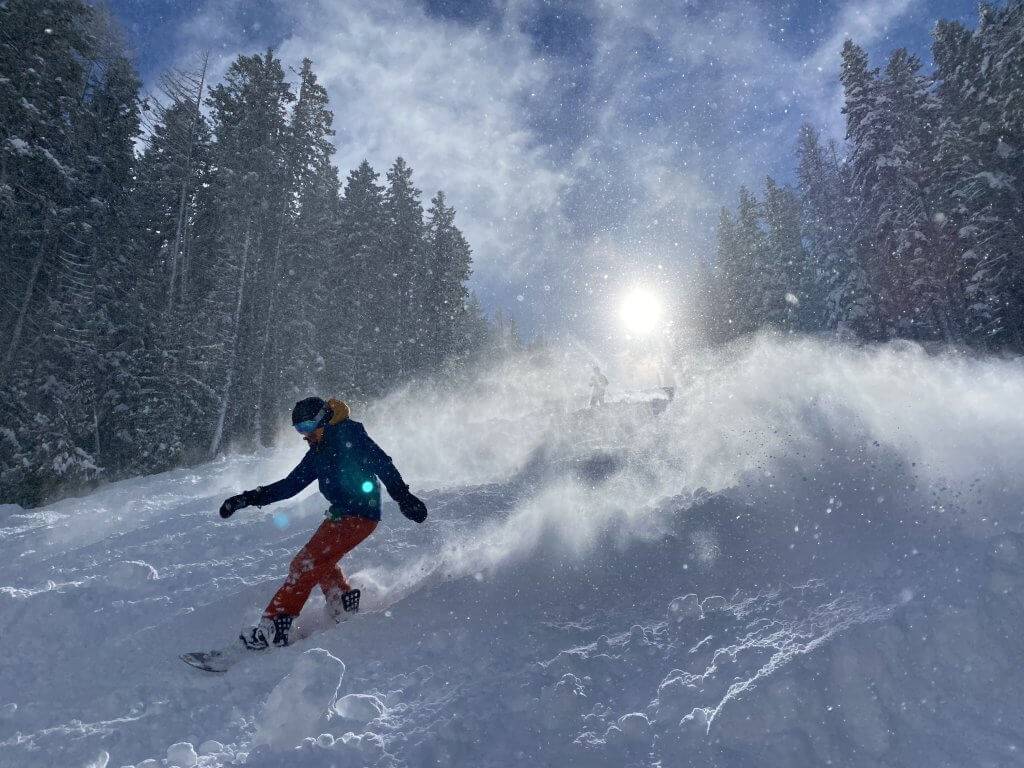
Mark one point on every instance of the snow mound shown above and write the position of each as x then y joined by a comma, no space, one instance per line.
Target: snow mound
299,704
182,755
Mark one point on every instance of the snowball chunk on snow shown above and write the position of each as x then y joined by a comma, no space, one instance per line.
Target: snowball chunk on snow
714,603
359,707
325,741
634,725
684,608
182,754
297,706
211,747
698,719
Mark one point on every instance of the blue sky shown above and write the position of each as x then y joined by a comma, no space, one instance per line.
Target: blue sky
587,144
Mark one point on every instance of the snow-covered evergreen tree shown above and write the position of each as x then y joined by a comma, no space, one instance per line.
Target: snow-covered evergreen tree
120,295
729,282
70,115
786,280
179,350
251,197
352,349
867,135
311,305
979,189
920,268
752,264
160,306
404,276
840,285
447,328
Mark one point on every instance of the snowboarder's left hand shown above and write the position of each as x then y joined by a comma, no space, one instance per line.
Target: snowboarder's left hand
412,507
232,505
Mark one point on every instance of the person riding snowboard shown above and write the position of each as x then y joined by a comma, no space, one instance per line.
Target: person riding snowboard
347,464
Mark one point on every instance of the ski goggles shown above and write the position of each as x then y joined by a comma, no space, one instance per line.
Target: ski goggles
307,427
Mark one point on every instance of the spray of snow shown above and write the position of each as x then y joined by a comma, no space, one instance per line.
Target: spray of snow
762,418
554,590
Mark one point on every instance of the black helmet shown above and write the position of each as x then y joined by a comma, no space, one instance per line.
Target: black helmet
309,409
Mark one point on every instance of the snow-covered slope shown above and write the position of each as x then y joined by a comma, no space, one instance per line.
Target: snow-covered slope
812,556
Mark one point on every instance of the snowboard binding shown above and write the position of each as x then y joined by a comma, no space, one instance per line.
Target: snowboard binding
259,637
342,606
350,601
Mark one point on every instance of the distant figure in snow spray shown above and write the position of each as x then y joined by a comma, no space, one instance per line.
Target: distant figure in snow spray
598,384
347,464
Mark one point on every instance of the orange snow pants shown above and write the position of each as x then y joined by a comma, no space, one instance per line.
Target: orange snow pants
317,563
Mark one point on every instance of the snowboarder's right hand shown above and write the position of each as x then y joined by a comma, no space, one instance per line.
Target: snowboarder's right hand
232,505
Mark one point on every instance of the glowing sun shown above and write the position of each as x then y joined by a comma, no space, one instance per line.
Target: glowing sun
640,311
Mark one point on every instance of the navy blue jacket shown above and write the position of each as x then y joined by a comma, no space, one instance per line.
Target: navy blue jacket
347,463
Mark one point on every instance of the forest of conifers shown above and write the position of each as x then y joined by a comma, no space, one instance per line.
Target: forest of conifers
176,270
164,300
914,228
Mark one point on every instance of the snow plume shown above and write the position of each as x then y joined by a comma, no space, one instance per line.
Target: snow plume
828,442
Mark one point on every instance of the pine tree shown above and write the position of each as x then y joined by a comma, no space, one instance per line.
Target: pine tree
353,349
447,330
313,272
839,279
70,117
44,55
730,280
120,298
752,264
173,170
920,268
404,276
476,331
177,154
866,133
251,201
704,318
506,341
979,187
1008,64
786,279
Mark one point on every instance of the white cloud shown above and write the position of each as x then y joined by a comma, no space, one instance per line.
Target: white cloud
864,21
452,100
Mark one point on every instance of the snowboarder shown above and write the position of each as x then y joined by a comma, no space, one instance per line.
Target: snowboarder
347,464
598,384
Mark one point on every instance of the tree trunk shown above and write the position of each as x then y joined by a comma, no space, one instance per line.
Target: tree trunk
19,324
185,185
229,379
261,381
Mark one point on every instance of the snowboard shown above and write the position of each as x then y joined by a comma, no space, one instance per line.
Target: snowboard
220,660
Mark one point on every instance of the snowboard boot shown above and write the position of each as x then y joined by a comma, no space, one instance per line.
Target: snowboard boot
269,632
344,603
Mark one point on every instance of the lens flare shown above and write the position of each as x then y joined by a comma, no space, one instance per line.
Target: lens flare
640,312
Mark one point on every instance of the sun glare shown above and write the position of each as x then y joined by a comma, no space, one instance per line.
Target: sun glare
640,312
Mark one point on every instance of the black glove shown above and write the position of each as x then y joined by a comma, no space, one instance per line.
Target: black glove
235,503
412,507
